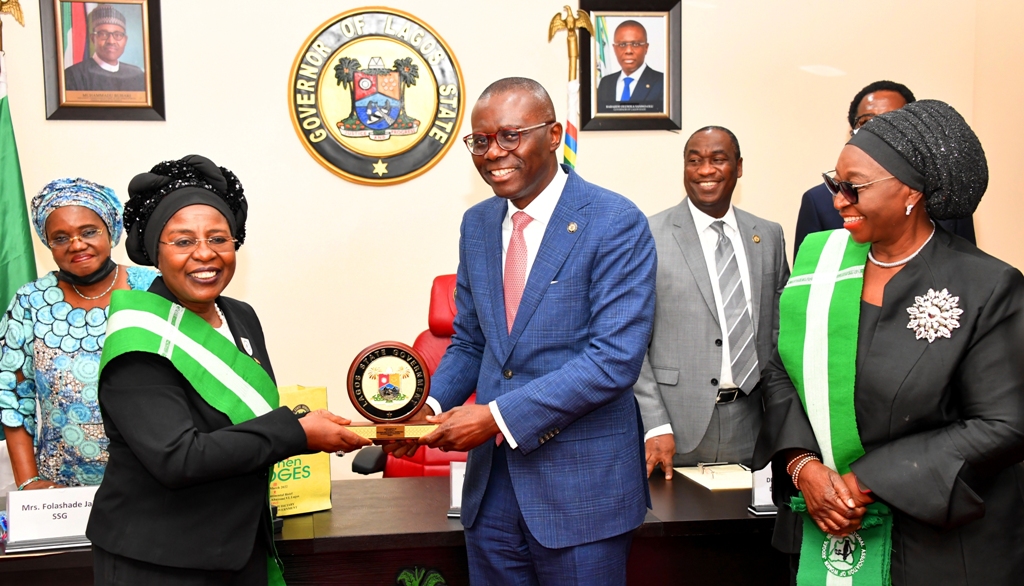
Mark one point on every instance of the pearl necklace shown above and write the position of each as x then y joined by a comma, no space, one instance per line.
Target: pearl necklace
116,269
889,265
220,314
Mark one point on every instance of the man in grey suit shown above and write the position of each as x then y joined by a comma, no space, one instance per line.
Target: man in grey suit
720,274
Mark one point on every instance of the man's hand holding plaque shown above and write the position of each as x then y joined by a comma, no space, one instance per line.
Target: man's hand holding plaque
462,428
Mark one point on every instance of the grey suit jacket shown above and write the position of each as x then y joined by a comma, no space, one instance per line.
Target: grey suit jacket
679,380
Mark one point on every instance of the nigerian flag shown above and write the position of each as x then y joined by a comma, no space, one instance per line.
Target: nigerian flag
17,263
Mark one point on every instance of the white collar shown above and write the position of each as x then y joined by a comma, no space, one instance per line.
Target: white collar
106,66
543,206
703,221
636,74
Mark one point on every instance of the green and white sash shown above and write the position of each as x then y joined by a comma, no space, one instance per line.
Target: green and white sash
231,382
819,320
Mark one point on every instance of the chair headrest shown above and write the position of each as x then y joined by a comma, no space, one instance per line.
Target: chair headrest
442,306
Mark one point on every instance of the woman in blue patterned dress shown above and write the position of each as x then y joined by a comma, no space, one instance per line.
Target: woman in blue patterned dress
51,338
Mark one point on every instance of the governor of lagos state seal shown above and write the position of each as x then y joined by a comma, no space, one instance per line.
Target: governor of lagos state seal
376,96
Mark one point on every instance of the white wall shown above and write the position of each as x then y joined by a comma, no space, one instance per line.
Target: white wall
314,245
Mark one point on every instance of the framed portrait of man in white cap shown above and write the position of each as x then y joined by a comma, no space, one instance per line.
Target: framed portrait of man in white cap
103,60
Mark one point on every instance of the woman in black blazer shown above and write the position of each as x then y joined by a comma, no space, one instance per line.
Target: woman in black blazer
938,390
185,497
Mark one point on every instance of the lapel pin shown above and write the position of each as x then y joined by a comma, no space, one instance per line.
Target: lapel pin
572,227
757,239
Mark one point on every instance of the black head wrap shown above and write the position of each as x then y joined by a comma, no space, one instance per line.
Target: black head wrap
171,185
928,146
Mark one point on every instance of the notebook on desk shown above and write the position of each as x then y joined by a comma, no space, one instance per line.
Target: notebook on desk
719,476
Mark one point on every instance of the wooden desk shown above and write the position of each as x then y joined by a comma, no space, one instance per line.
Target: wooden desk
379,527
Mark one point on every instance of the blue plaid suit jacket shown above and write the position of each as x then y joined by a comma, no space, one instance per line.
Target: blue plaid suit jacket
563,377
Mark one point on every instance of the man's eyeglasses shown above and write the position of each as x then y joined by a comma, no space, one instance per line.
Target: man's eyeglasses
186,245
88,236
846,189
507,138
634,44
104,35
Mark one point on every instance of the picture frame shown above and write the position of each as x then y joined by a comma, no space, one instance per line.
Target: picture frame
652,102
102,60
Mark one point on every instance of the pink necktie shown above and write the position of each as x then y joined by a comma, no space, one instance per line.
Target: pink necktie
515,267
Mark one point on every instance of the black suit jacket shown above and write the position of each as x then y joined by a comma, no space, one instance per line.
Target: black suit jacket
942,423
817,215
649,89
183,486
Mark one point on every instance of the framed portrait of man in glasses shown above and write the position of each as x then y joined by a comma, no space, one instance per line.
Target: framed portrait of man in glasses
103,60
630,74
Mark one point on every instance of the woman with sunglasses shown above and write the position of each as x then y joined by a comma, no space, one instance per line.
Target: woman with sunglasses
894,406
51,337
189,399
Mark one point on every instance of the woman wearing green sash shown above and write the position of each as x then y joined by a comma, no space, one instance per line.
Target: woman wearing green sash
189,400
894,407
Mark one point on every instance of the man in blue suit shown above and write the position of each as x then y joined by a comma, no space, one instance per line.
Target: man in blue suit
636,88
553,323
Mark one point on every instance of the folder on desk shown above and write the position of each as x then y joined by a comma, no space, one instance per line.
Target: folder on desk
458,476
719,476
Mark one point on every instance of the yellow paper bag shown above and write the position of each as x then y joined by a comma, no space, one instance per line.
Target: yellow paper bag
302,484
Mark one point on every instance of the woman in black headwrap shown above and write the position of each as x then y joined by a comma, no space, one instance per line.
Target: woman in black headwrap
894,407
188,398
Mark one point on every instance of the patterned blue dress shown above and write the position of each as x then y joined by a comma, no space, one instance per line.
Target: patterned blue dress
56,349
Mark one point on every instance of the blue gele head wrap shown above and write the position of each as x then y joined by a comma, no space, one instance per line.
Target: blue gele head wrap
78,192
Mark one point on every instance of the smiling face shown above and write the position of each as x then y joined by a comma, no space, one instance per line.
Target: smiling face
711,171
81,257
630,58
879,216
198,277
108,48
520,174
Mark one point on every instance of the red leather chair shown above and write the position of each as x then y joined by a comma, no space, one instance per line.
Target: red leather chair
430,345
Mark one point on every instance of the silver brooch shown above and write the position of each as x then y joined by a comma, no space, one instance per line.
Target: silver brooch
934,315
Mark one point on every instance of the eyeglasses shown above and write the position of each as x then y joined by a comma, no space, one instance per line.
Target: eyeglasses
104,35
507,138
634,44
846,189
186,245
862,120
88,236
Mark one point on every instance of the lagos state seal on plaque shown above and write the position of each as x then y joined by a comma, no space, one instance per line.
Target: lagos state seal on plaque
388,383
376,96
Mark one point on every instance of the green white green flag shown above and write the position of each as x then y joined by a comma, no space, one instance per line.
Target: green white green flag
17,263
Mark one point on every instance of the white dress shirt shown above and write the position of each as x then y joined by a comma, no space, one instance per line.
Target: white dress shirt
619,84
106,66
708,243
540,209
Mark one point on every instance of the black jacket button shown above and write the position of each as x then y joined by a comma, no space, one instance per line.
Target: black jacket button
714,382
718,342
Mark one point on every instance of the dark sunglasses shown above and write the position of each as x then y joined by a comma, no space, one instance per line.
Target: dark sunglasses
845,188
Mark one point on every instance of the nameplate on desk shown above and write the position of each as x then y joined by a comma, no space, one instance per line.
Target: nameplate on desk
457,478
761,503
49,518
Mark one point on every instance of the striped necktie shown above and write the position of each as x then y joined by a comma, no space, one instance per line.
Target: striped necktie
742,346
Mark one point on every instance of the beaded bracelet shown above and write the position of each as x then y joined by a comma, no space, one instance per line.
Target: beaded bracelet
800,466
28,482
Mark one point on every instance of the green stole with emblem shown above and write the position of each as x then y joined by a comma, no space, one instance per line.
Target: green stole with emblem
228,380
819,319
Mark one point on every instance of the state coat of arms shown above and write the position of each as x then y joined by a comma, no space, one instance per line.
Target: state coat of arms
376,96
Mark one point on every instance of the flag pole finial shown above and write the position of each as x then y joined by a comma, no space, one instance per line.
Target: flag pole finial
571,23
